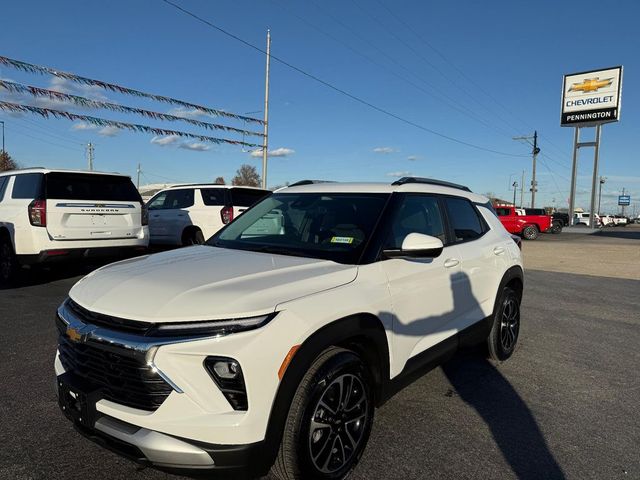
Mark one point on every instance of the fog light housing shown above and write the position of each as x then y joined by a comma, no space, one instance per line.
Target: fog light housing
227,375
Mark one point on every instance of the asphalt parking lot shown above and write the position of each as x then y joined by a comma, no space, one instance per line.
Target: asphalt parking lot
565,406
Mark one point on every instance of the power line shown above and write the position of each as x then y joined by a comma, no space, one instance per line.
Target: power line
338,89
42,140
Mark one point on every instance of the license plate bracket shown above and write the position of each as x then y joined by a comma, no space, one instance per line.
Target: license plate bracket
77,399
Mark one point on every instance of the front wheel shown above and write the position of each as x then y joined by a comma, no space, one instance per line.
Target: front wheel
329,421
530,232
503,337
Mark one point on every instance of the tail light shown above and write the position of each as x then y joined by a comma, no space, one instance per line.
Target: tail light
144,215
38,213
226,214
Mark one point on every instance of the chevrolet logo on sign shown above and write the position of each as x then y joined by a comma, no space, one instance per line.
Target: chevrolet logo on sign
591,85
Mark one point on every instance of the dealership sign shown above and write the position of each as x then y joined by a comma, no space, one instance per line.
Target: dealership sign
590,98
624,200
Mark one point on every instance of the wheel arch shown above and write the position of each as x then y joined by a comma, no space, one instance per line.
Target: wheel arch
189,229
362,333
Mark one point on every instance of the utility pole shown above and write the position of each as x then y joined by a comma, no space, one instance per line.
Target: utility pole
535,151
265,140
515,189
522,190
90,155
2,135
622,205
138,171
602,180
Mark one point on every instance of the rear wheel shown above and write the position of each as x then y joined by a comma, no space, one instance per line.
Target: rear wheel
556,228
530,232
329,421
8,262
193,236
506,326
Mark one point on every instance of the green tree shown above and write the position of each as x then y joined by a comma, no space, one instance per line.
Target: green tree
246,175
6,162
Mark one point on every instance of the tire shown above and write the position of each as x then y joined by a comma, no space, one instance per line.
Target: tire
556,228
503,338
193,236
319,422
8,263
530,232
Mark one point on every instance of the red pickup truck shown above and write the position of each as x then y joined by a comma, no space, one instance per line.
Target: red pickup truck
516,221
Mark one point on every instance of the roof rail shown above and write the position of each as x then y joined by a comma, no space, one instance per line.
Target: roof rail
430,181
310,182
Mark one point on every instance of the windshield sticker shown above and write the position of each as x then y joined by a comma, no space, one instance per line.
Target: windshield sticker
342,240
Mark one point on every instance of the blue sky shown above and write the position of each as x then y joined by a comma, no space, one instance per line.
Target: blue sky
515,51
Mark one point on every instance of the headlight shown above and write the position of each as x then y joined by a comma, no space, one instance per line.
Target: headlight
209,328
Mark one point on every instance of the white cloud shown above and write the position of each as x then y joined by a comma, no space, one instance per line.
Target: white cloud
413,158
63,85
196,146
384,150
187,112
83,126
278,152
166,140
109,131
399,174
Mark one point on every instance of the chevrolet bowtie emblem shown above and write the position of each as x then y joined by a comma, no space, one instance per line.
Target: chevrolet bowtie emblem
73,334
591,85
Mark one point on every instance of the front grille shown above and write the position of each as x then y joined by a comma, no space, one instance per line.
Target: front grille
121,378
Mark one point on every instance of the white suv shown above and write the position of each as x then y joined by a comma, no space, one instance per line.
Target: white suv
52,215
189,214
270,346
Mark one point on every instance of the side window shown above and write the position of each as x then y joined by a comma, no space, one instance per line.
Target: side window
464,219
245,197
416,214
157,202
213,196
28,185
3,186
177,199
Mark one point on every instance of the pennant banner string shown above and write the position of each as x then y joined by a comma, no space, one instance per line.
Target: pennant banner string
86,102
47,112
31,68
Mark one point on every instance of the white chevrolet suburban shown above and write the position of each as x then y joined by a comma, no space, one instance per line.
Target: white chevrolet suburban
190,214
269,347
56,215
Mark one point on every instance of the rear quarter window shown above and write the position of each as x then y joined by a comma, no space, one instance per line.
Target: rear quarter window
245,197
464,219
214,196
28,185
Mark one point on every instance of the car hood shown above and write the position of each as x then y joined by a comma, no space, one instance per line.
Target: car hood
205,283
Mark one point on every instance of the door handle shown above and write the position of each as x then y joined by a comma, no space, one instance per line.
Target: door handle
451,262
498,250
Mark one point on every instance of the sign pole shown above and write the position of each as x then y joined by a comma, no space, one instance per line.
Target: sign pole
265,140
574,174
594,180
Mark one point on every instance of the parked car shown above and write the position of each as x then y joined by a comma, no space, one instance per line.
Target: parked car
189,214
558,220
270,346
582,219
51,215
516,221
620,220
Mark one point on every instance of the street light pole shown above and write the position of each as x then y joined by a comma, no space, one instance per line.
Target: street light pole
2,135
265,140
515,189
602,180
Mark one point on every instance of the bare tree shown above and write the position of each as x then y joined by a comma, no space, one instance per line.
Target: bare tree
246,175
219,181
6,162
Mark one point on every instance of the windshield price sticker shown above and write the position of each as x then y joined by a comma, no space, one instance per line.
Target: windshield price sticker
347,240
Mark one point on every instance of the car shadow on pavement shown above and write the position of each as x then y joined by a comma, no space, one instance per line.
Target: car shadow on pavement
483,387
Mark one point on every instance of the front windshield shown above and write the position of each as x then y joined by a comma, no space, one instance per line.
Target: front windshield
333,226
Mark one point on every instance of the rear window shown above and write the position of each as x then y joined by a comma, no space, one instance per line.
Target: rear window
245,197
79,186
213,196
28,185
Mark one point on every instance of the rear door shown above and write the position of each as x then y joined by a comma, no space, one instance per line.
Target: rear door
84,206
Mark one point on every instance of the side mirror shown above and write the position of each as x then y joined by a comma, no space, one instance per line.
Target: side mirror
417,245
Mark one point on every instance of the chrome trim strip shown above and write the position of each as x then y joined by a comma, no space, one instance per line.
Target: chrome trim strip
94,205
